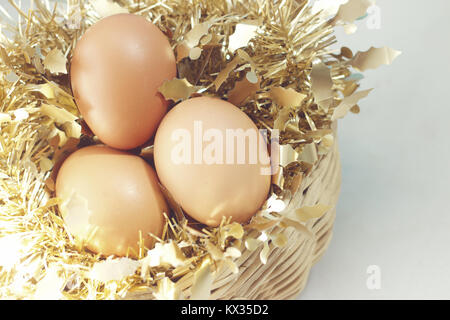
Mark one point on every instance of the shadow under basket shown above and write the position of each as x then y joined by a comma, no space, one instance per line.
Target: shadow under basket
286,272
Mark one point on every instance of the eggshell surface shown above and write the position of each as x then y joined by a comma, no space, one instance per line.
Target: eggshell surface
108,197
209,188
116,70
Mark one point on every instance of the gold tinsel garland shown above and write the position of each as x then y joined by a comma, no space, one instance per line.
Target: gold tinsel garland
271,58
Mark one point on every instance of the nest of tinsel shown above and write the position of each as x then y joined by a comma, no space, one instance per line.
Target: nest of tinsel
276,60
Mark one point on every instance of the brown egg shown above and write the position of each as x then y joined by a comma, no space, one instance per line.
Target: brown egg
116,70
108,198
196,161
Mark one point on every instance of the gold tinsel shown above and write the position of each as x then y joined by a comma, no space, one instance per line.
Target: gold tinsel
271,58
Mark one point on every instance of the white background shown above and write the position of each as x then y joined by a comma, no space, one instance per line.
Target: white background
395,201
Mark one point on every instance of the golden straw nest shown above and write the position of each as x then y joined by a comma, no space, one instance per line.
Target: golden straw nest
276,60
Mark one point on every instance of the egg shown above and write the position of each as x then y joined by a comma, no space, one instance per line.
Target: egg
206,162
108,198
116,69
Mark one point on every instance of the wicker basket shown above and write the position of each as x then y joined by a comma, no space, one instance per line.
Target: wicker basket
287,269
